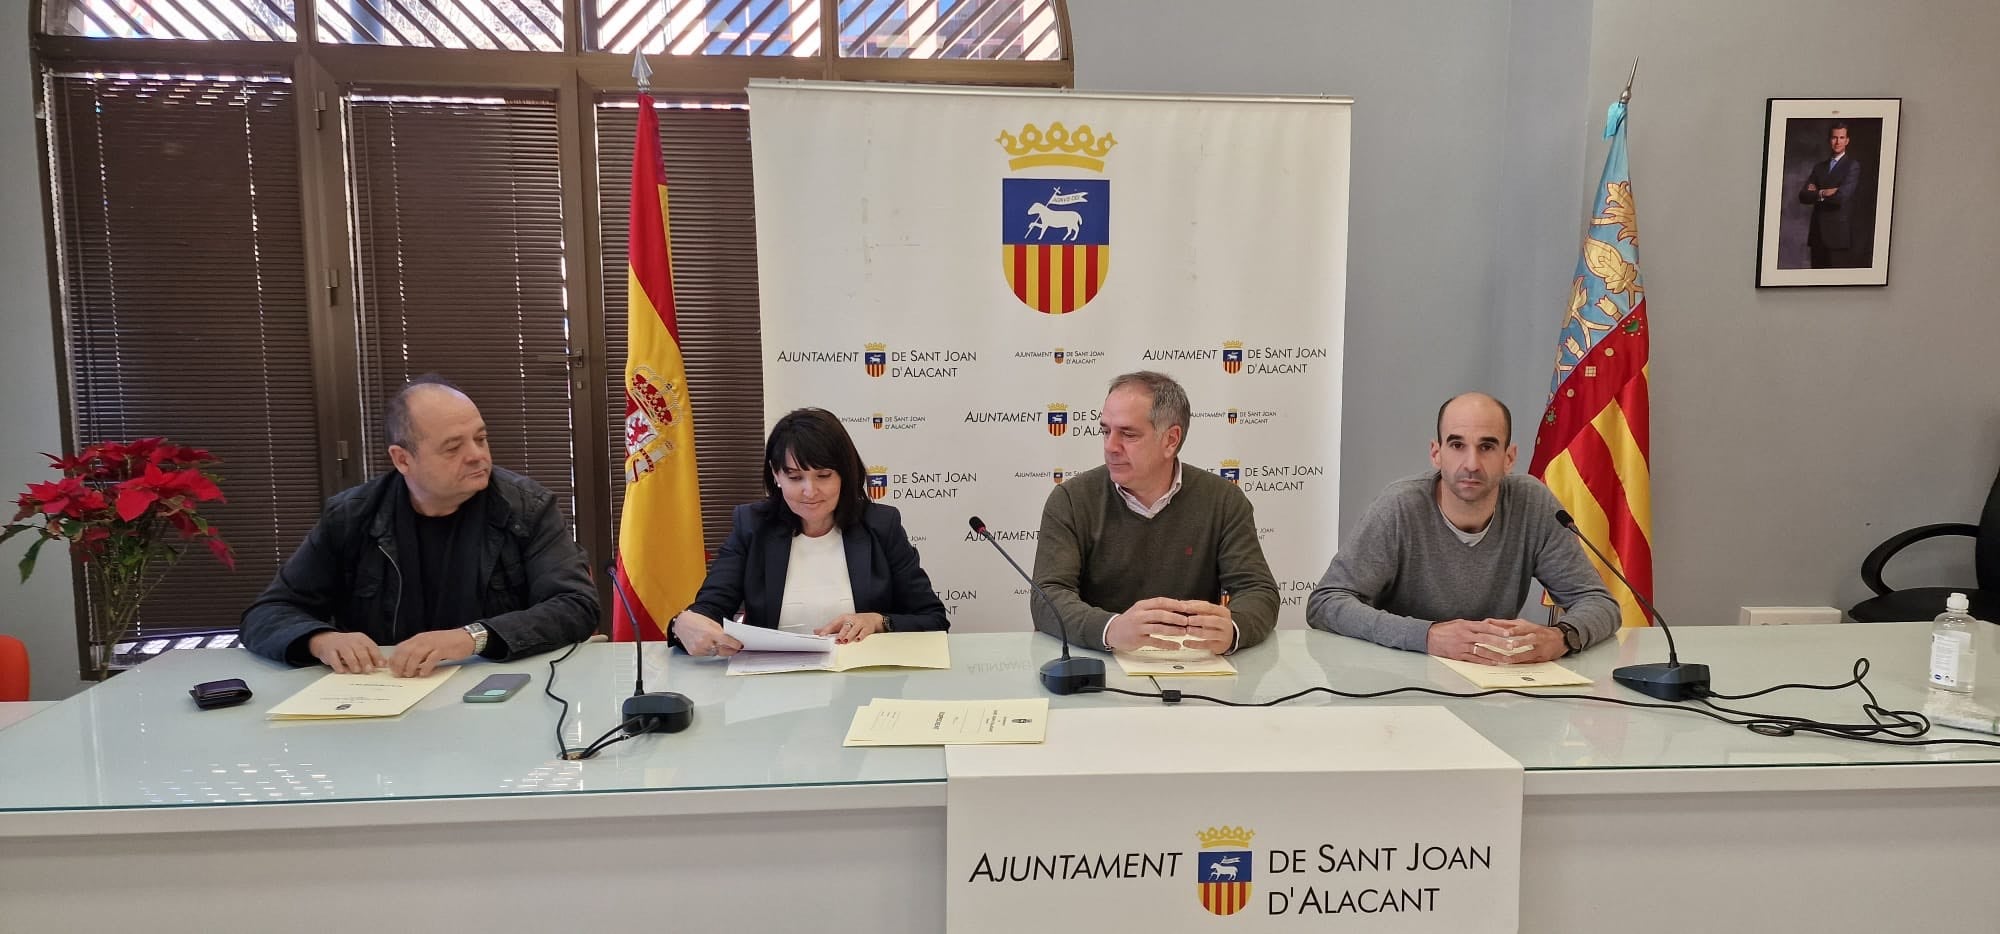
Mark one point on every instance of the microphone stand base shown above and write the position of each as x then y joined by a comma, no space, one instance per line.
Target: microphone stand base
658,712
1668,682
1070,675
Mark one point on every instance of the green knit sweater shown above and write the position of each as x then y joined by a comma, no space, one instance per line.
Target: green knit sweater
1095,557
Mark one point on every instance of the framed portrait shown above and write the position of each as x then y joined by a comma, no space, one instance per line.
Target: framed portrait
1829,185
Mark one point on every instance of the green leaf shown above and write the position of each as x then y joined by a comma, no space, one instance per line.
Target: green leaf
28,560
13,530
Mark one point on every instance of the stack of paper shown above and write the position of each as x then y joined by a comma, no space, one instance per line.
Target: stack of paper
1542,675
889,721
1138,666
340,697
769,651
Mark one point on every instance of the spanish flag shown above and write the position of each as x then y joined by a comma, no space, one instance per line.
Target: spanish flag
660,562
1593,442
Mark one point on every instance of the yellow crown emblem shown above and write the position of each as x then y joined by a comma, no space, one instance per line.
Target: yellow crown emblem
1232,345
875,346
1080,148
1058,407
877,468
1232,462
1225,836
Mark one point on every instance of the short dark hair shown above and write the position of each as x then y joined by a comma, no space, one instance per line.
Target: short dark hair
1170,401
815,440
1838,125
1506,415
396,415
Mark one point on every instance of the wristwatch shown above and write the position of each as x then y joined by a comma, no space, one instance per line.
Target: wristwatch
886,626
1572,639
478,633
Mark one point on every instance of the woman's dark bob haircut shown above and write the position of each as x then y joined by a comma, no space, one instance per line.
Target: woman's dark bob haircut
813,439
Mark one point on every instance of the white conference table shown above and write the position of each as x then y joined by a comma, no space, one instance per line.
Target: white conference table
12,712
126,808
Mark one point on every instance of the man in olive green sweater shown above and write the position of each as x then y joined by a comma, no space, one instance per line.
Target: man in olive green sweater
1145,547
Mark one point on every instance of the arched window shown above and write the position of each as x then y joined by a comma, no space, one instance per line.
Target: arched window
268,214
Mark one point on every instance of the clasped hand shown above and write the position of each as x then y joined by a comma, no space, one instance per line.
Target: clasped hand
1207,624
1460,639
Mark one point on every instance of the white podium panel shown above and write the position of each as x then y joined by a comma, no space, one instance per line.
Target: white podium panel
1392,819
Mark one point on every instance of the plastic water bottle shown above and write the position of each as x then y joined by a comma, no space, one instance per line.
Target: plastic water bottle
1952,656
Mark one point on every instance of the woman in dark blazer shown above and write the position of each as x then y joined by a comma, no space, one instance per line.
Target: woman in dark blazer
816,555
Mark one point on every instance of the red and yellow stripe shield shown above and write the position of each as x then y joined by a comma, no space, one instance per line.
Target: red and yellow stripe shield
660,560
1223,876
1055,279
1225,898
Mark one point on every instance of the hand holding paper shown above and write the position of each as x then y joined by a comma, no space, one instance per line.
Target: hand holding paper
882,650
763,639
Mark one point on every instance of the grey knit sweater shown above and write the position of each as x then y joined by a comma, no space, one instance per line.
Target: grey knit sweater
1401,568
1095,557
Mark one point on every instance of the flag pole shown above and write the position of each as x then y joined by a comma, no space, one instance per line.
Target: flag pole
642,73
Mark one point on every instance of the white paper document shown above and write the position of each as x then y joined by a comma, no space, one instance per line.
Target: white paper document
765,639
897,722
881,650
1541,675
1206,665
341,697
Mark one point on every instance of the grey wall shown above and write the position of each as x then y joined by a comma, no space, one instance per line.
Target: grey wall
1794,429
40,612
1468,125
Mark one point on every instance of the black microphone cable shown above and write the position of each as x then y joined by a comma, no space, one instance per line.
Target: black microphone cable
1887,727
563,750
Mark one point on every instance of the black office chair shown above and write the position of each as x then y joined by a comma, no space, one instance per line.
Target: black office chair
1922,603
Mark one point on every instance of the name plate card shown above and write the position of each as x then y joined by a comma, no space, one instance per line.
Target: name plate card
1395,819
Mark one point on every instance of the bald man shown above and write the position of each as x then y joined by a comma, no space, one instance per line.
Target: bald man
1440,563
444,557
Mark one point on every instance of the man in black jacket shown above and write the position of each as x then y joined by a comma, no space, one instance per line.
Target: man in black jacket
444,557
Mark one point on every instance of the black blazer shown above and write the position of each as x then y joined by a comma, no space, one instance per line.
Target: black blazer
1831,225
882,569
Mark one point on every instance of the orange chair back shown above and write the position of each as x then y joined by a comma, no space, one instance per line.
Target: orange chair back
13,669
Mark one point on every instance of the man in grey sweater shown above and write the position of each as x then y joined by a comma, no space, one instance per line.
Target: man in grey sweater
1440,563
1139,552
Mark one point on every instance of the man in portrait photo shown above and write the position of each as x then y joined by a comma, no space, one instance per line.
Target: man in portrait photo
1830,221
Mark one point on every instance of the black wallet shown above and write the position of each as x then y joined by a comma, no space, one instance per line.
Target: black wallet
228,692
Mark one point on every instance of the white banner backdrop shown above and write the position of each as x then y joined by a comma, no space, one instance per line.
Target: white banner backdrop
958,273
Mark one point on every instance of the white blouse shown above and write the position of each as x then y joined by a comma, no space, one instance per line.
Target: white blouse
817,590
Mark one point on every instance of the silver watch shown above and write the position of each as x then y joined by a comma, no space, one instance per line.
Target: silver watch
478,633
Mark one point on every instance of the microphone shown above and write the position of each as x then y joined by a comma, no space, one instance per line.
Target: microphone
657,712
1672,681
1063,675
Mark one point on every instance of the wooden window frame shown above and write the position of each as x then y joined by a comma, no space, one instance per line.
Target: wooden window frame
322,73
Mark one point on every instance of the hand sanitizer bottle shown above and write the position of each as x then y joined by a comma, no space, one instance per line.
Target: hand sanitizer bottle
1952,647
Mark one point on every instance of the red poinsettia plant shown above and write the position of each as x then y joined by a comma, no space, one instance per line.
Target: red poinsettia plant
128,511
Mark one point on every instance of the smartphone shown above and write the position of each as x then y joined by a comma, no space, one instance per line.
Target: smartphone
496,688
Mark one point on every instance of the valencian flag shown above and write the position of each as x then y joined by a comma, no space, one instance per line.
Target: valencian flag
660,561
1592,445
